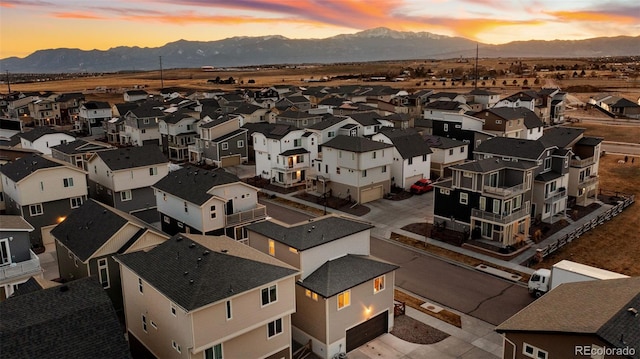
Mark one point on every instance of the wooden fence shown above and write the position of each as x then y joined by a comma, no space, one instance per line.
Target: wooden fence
541,253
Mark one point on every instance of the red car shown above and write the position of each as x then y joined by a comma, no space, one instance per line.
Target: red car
422,186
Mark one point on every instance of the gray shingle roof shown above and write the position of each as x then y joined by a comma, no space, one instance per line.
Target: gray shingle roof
25,166
192,275
88,228
75,320
217,121
95,105
80,146
270,130
310,234
295,151
338,275
328,122
548,176
492,164
443,105
177,116
434,141
590,141
366,118
408,142
229,135
39,132
561,136
132,157
191,183
512,147
355,144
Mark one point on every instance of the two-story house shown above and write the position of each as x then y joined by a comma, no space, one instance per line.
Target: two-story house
43,138
344,297
199,296
18,263
485,98
503,122
92,116
222,142
193,200
411,156
300,119
584,162
141,124
446,152
356,168
459,127
89,237
43,191
526,99
45,112
177,132
487,199
135,95
332,126
70,106
78,152
122,177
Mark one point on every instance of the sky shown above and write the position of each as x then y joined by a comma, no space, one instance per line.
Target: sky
30,25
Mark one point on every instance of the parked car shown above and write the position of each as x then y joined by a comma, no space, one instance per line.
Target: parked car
422,186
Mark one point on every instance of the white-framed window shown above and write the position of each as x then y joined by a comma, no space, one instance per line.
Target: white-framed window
176,346
174,311
496,206
482,203
424,158
331,134
533,352
517,202
269,295
153,171
464,198
103,273
154,325
180,225
297,142
410,160
186,207
75,202
36,209
215,352
41,186
498,122
144,323
166,219
240,143
225,146
140,286
378,284
272,247
67,182
467,174
364,173
451,152
445,191
384,169
274,328
228,310
446,127
212,212
344,299
547,163
310,294
125,195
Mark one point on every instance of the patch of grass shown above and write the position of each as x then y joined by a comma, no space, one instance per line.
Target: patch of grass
415,303
617,133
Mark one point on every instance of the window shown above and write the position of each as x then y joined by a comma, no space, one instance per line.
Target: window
498,122
103,273
186,207
140,287
451,152
338,170
344,299
176,346
462,149
410,160
272,247
269,295
331,134
444,191
446,127
547,163
424,158
310,294
483,203
125,195
145,121
225,146
374,154
212,210
384,169
153,171
240,143
464,198
496,206
533,352
228,309
378,284
76,202
299,159
173,309
41,186
297,142
274,328
36,209
467,174
144,323
67,182
364,173
214,352
167,219
143,131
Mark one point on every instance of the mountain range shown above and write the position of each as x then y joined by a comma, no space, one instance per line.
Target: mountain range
370,45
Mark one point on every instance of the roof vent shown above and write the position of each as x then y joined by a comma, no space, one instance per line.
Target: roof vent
185,273
224,251
206,252
190,281
179,238
192,245
633,311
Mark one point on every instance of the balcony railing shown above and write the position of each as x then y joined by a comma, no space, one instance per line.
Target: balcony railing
582,163
504,219
195,148
292,167
241,217
588,181
28,267
505,191
556,197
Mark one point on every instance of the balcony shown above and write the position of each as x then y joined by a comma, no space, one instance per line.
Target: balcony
195,149
22,269
560,194
582,163
242,217
588,181
503,219
504,191
290,166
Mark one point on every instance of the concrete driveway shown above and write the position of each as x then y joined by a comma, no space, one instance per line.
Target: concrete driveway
389,215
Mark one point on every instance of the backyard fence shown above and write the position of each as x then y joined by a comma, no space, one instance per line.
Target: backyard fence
541,253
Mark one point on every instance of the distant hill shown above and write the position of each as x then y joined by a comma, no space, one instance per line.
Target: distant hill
369,45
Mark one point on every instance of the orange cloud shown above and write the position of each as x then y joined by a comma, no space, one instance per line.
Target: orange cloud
589,16
78,15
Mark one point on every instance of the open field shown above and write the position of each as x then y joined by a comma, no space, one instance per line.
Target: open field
619,133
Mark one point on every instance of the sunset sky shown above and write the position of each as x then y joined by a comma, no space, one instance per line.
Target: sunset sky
30,25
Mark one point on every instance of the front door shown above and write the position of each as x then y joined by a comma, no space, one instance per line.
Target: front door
228,208
5,253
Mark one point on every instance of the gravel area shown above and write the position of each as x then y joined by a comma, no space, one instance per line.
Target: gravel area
414,331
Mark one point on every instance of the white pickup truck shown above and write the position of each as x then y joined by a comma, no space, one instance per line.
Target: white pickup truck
544,280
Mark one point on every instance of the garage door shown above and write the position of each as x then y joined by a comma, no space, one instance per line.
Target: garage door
371,194
230,161
411,180
367,331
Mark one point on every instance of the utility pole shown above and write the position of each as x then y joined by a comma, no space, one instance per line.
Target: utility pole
8,82
476,75
161,79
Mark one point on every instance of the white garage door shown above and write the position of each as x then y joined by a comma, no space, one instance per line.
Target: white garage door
411,180
371,194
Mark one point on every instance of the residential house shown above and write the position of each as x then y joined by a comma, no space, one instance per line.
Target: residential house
584,163
626,108
485,98
464,128
252,113
70,106
122,177
551,176
370,121
592,319
514,122
355,168
438,108
208,297
43,138
113,128
43,191
178,131
193,200
222,142
135,95
344,298
487,199
92,116
71,320
295,102
45,112
18,263
78,152
411,156
526,99
300,119
448,96
284,154
553,102
90,236
446,152
141,125
332,126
